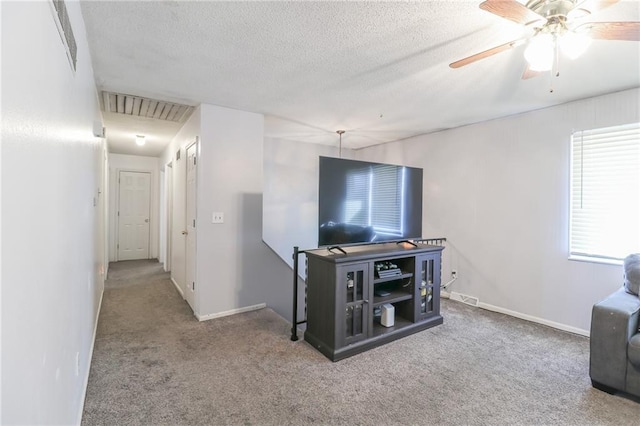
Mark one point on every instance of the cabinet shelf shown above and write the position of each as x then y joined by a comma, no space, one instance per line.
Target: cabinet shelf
392,278
379,329
393,297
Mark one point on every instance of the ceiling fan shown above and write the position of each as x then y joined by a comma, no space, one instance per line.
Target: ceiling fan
555,27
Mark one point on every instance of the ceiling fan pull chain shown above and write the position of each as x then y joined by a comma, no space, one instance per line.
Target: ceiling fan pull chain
556,58
554,65
340,132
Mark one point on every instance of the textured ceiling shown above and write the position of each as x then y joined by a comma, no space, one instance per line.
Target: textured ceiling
378,70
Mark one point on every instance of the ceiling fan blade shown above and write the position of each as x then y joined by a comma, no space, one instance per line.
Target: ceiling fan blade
486,53
512,10
591,6
611,30
529,73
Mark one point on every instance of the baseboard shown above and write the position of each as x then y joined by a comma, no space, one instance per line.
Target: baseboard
89,359
531,318
231,312
474,301
177,287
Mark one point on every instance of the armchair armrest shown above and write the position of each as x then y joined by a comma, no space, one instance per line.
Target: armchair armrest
613,321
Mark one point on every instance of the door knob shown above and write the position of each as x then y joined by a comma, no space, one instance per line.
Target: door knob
146,220
184,232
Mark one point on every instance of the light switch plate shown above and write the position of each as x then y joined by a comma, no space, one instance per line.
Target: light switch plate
218,217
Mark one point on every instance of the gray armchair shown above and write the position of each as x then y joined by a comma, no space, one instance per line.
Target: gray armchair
615,337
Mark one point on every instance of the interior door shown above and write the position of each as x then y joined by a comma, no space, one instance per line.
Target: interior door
168,215
133,215
190,281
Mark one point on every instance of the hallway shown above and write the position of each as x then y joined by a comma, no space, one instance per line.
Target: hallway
140,311
155,363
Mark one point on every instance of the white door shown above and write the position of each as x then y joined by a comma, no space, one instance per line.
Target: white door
168,215
133,215
190,278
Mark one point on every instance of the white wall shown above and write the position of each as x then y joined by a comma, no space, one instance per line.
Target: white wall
134,163
234,268
52,231
290,211
499,192
291,194
231,256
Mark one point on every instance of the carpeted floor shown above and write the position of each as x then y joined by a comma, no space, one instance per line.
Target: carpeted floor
155,364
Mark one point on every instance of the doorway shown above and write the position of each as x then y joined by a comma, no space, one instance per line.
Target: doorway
134,190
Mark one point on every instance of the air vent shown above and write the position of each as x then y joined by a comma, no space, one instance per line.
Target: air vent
137,106
66,33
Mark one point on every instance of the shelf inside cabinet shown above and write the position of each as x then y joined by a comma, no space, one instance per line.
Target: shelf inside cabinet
394,296
379,329
392,278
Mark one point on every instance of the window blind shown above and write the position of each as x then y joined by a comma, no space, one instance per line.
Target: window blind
356,210
386,215
605,192
374,198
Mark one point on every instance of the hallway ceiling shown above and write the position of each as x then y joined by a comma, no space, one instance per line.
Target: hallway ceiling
379,70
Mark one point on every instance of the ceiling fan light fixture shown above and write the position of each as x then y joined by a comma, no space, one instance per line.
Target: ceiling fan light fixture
140,141
540,51
574,44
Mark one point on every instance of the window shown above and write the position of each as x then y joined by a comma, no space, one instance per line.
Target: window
605,193
374,198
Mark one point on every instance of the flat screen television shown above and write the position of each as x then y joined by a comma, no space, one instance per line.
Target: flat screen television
363,202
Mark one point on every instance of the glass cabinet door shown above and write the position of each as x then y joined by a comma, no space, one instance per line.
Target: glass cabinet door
353,281
429,273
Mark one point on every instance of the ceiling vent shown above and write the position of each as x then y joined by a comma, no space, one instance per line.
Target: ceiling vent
66,33
137,106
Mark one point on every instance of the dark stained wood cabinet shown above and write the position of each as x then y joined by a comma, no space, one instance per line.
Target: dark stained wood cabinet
346,293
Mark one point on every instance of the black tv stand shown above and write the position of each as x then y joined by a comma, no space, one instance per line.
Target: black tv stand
407,242
336,248
342,303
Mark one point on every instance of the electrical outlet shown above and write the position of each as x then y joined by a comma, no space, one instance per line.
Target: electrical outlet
454,274
217,217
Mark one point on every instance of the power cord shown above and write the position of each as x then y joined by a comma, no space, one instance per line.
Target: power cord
447,284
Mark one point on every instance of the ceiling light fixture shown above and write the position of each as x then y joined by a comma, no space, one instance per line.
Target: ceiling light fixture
540,51
543,46
140,141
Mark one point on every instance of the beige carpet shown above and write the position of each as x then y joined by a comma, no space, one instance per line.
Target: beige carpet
155,364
